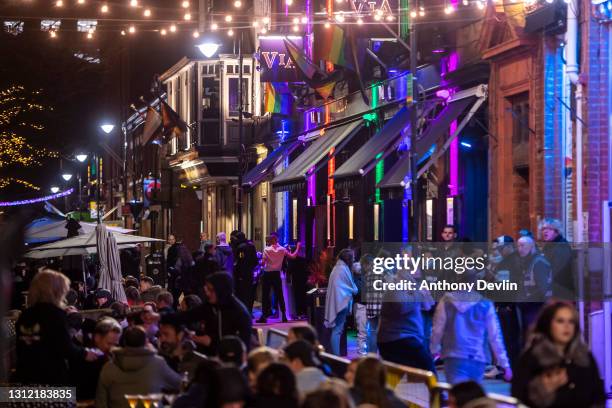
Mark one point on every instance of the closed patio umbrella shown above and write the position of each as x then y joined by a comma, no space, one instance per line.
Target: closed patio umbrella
110,266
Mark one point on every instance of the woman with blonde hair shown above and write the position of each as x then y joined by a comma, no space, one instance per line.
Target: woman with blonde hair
43,340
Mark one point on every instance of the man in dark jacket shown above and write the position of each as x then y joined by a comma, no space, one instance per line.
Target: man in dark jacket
559,253
222,314
245,262
176,348
85,374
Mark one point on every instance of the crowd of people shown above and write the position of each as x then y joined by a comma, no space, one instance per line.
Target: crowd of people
191,339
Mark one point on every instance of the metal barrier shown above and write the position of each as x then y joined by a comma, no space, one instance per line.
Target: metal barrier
417,388
503,401
414,386
257,336
275,338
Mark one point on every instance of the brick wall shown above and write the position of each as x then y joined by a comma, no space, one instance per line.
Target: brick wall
595,62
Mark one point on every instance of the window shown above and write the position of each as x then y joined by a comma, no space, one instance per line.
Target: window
247,69
230,69
233,95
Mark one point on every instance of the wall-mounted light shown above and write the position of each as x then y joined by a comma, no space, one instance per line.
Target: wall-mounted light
294,215
351,210
376,221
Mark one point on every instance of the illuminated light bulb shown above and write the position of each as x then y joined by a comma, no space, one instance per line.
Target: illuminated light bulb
132,29
230,32
237,4
147,13
173,28
390,18
104,8
264,30
266,20
360,21
327,25
228,18
296,20
214,26
59,3
289,2
466,2
421,12
340,17
52,34
185,4
304,20
196,34
81,1
90,35
122,32
377,17
480,5
379,13
163,31
296,28
255,23
91,31
187,16
134,3
413,14
448,10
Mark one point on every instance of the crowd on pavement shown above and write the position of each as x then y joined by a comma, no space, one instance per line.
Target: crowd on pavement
190,340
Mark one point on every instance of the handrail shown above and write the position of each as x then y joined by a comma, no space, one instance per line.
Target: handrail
396,372
502,399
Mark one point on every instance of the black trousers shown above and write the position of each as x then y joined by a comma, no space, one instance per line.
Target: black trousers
407,351
272,279
243,292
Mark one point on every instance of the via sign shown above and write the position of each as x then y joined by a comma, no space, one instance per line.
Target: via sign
274,60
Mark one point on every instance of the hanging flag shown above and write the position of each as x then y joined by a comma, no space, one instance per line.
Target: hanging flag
326,90
152,126
277,98
300,60
330,44
172,122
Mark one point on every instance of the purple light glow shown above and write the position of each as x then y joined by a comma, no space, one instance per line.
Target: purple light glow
36,200
443,94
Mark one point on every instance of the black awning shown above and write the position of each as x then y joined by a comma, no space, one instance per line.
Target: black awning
359,163
263,169
294,175
396,180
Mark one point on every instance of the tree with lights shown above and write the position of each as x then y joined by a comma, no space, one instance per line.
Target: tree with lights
20,114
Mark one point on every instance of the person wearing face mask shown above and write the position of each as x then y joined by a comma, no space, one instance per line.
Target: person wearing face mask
557,370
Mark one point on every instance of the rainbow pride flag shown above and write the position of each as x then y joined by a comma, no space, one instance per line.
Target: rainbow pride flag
277,98
330,44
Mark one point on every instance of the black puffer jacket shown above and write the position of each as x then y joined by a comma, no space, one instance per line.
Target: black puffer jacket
228,316
584,387
44,346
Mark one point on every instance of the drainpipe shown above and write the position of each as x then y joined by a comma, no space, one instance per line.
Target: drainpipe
572,71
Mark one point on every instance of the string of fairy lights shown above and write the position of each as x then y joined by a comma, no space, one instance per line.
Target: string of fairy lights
16,152
150,18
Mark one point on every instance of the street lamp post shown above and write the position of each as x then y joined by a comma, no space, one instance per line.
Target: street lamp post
240,134
413,131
